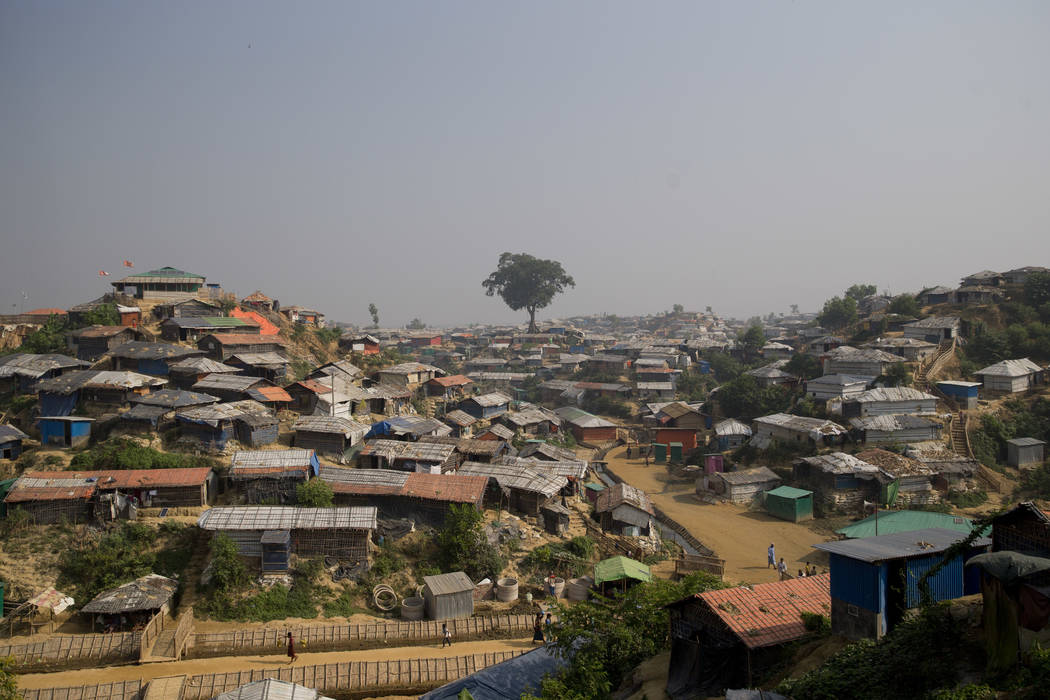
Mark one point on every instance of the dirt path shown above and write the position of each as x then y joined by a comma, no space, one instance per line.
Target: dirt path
737,535
227,664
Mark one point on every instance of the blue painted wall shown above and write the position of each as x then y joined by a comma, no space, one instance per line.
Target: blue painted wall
946,584
156,368
858,583
58,404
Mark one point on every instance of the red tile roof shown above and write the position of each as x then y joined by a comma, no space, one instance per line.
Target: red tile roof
769,613
46,312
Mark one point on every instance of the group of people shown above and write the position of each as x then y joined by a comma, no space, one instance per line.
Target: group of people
542,629
781,566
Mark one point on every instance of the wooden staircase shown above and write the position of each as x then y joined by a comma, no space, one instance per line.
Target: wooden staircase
932,364
960,443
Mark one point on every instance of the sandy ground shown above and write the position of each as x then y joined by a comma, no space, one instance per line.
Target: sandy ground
738,535
228,664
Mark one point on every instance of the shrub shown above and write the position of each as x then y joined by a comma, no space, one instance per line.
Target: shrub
228,570
816,623
967,499
462,545
123,453
314,493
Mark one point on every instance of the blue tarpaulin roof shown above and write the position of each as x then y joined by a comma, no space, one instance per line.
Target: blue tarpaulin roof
508,679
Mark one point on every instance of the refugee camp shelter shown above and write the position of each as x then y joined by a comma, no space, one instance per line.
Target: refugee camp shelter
342,531
327,434
51,497
64,431
185,373
150,358
791,504
620,573
512,678
625,510
875,580
426,457
448,596
890,522
135,602
424,498
247,421
20,371
724,638
1010,376
742,486
1023,452
11,441
731,434
271,689
271,475
524,488
37,612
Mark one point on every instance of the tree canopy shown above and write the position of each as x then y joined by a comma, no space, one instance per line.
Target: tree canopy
526,282
905,305
859,291
838,312
373,311
1037,288
752,340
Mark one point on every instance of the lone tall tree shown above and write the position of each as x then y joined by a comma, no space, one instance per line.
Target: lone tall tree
525,282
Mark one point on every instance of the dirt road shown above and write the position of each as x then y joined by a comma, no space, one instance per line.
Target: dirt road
227,664
737,535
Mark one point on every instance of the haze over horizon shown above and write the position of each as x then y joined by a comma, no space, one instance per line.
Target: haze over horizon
745,156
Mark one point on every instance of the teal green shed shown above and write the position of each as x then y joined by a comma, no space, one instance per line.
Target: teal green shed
790,504
660,453
675,449
893,521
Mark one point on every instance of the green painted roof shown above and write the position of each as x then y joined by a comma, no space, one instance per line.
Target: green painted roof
616,568
224,321
788,492
595,486
893,521
167,272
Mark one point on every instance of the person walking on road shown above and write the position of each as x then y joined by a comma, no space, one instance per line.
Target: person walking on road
446,636
292,656
771,557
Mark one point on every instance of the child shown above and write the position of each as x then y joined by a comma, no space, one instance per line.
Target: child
446,636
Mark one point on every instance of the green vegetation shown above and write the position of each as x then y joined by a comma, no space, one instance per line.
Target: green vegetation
93,564
967,499
298,369
607,406
1016,419
123,453
328,335
693,386
838,313
49,338
910,661
314,493
462,545
904,305
8,679
804,365
605,638
373,311
725,367
745,399
1037,290
896,374
752,340
813,622
566,559
343,605
102,315
525,282
859,291
416,324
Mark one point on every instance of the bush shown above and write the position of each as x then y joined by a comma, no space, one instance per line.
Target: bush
229,573
462,545
123,453
967,499
816,623
315,493
966,692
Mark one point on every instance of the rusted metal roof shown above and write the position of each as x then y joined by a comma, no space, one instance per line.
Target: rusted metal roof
244,339
50,486
454,380
269,393
101,331
621,493
524,478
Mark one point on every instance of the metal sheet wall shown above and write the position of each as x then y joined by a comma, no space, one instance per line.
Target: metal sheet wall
946,584
857,582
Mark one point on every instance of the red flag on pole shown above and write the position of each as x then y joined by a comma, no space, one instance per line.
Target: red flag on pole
103,273
128,263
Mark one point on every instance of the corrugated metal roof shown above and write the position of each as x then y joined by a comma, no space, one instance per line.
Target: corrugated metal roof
10,432
223,411
287,518
766,614
33,366
893,464
749,476
848,353
110,479
548,451
411,368
271,689
202,365
147,593
1025,442
137,349
454,380
175,398
892,422
1011,368
460,418
938,322
523,478
490,400
840,463
163,274
500,431
900,545
894,521
269,393
581,418
198,322
893,393
244,339
50,486
445,584
621,493
272,458
101,331
788,492
260,359
97,379
331,424
731,426
228,382
816,427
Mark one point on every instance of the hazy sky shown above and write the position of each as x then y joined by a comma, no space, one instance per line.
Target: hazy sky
744,155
